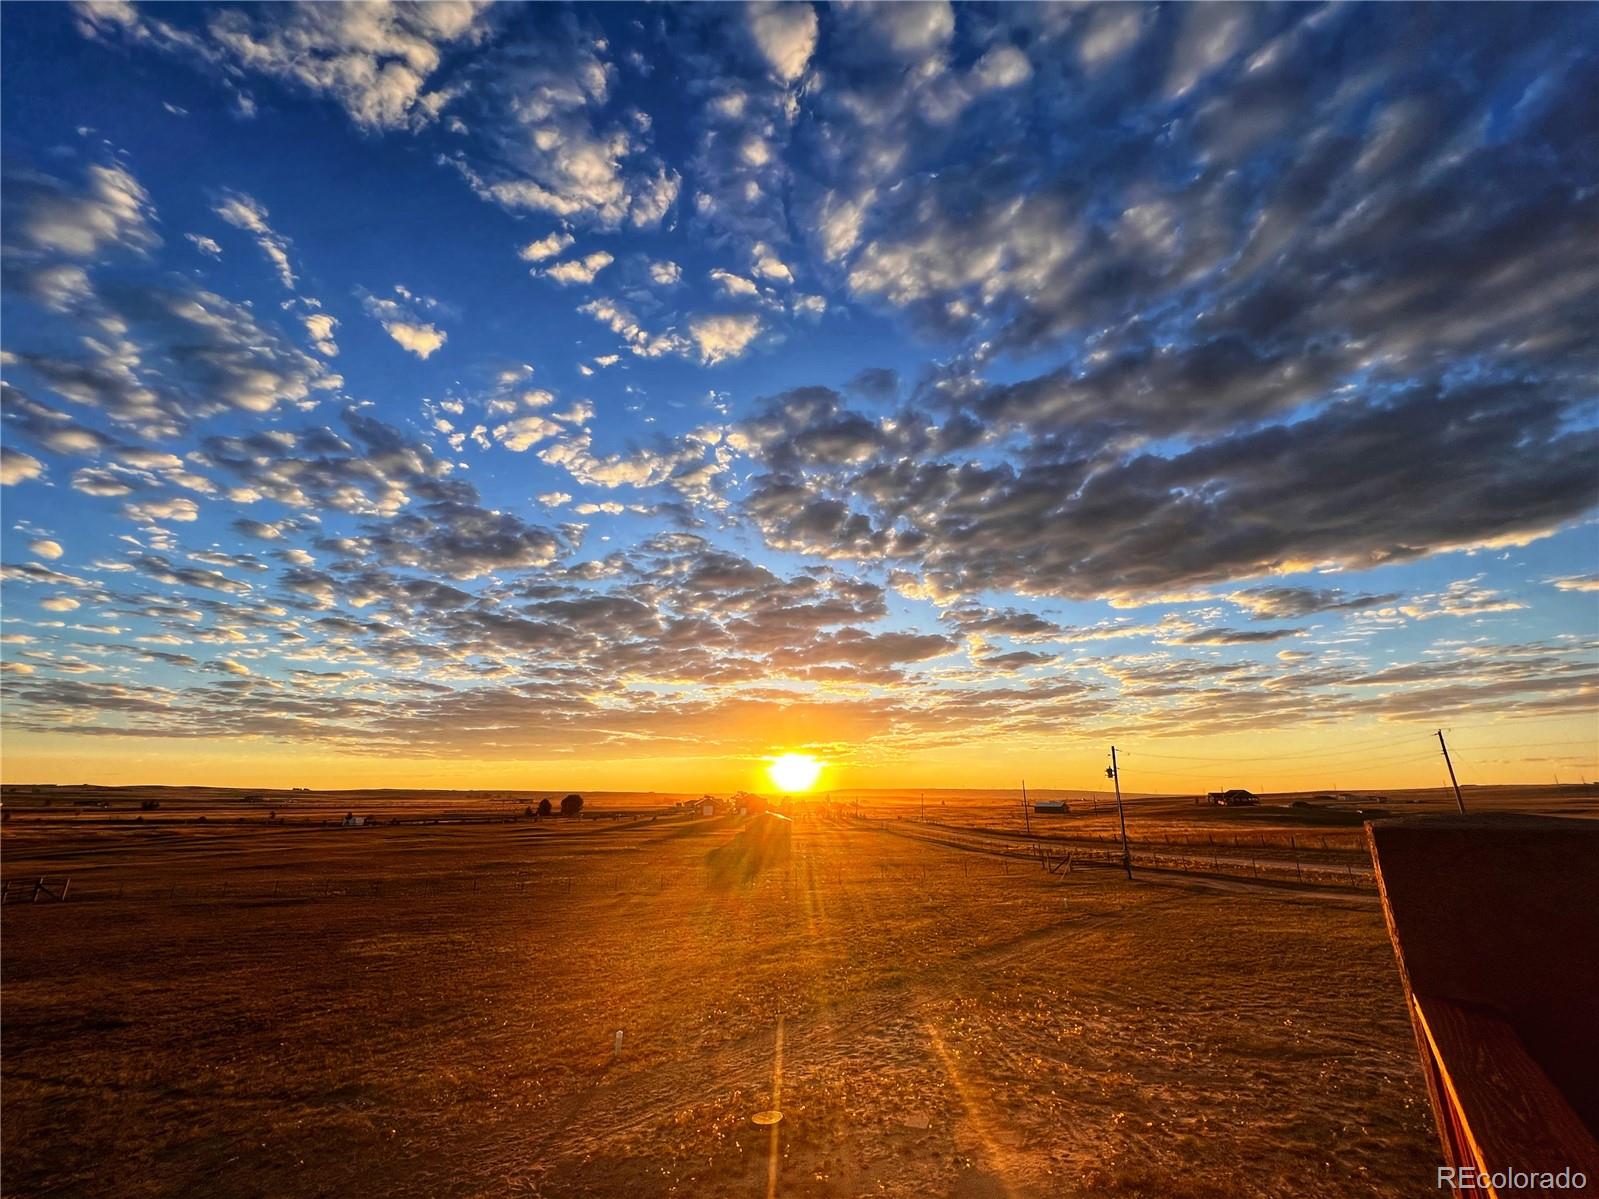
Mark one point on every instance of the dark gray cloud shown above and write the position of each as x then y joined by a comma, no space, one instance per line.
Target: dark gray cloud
1357,483
1289,603
1316,215
1235,636
968,619
455,537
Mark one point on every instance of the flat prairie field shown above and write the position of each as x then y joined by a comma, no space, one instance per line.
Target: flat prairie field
591,1008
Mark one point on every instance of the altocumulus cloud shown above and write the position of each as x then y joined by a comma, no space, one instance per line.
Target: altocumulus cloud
929,340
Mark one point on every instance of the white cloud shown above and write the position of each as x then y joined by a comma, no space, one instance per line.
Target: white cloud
755,150
320,326
375,60
178,508
579,270
653,197
573,454
525,432
666,273
545,247
734,285
1111,31
420,339
1002,67
1211,34
17,467
769,266
59,286
205,244
60,603
785,34
402,322
92,481
723,337
1577,583
112,212
839,224
553,147
625,325
45,548
245,212
1464,597
911,28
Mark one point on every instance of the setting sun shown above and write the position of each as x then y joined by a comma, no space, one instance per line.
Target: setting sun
794,772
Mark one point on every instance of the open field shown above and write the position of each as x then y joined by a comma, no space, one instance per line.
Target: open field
308,1010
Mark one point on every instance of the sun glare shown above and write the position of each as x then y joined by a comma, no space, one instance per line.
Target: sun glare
794,772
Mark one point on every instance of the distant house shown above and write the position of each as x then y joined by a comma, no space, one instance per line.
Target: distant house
351,820
1047,806
1236,798
706,806
747,804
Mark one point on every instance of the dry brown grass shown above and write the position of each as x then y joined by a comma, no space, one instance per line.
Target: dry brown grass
950,1028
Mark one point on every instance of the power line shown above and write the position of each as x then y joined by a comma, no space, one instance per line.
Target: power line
1341,768
1472,749
1365,759
1354,747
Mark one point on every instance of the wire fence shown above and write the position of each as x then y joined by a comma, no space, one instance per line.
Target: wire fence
1256,863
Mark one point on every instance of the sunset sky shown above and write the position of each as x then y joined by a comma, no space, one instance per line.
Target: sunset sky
619,396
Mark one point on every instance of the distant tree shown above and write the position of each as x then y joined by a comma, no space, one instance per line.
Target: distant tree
544,808
528,811
571,805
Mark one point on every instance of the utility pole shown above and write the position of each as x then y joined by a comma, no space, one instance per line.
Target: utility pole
1115,773
1027,816
1459,803
924,807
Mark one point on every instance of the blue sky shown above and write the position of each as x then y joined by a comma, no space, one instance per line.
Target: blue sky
630,393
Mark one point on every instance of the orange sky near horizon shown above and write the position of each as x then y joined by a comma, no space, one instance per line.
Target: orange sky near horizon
1368,757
